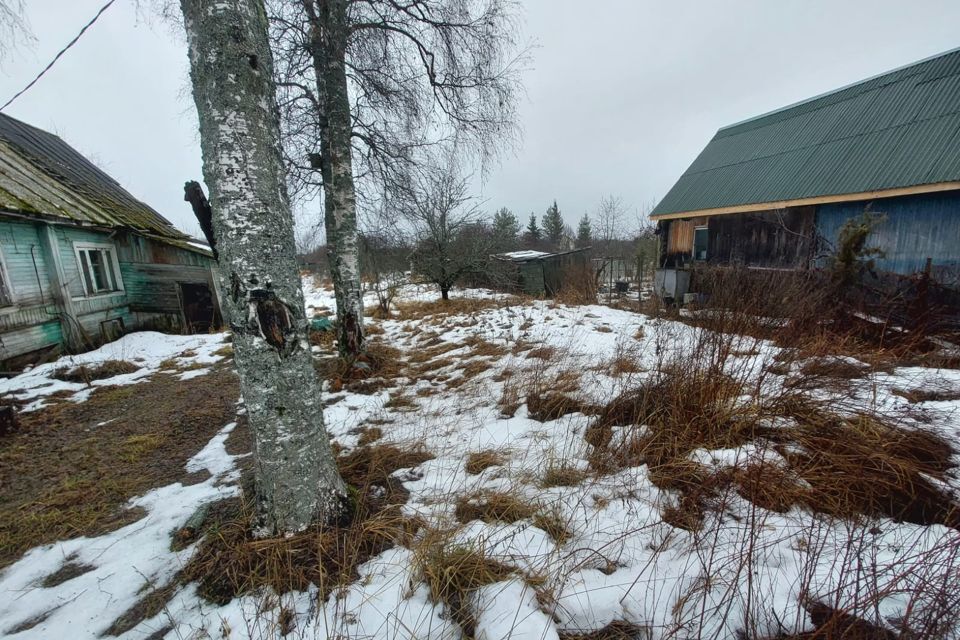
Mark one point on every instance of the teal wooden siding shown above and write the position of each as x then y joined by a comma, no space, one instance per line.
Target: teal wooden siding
150,272
31,322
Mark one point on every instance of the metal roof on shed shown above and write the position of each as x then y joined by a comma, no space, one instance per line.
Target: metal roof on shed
40,174
896,130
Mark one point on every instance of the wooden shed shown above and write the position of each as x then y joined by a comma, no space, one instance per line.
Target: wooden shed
539,273
81,260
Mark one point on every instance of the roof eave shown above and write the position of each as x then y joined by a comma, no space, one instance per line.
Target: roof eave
814,200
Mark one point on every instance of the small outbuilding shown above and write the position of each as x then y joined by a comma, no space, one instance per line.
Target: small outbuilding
540,273
774,191
81,260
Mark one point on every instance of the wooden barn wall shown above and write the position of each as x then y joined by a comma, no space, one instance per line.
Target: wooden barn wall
154,270
531,278
910,230
777,239
561,268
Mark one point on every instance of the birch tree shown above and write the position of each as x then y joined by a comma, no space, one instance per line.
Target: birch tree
296,477
377,82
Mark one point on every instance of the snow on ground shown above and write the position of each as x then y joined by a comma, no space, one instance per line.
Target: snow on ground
744,570
147,350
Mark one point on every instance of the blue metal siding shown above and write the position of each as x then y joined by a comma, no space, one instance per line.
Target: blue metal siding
913,229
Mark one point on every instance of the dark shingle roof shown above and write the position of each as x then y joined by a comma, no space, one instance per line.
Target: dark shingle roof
899,129
42,174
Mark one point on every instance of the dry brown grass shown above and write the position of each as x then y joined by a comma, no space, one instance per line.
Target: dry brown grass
230,561
542,353
562,475
928,395
481,347
454,571
616,630
624,364
497,506
847,466
493,506
375,369
553,405
86,373
683,410
63,476
863,465
479,461
438,309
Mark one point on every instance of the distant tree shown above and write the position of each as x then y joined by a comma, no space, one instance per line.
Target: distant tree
506,227
553,226
610,219
384,256
584,233
532,236
451,242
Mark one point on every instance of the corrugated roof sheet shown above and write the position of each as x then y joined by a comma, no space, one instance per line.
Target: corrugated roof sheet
42,174
899,129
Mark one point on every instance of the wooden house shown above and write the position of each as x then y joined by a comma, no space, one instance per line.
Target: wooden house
774,191
81,260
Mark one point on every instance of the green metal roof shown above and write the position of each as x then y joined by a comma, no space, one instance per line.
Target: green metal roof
896,130
42,175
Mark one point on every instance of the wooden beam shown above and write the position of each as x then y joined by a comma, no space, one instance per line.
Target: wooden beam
799,202
69,325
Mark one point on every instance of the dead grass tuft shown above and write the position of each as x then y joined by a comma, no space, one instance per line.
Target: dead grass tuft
454,572
928,395
479,461
542,353
86,374
562,475
70,570
681,411
552,405
373,370
862,465
230,561
492,506
616,630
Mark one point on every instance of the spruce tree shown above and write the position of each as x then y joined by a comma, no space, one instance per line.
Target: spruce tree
584,232
553,226
532,235
506,227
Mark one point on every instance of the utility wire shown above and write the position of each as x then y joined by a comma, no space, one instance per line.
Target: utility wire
59,54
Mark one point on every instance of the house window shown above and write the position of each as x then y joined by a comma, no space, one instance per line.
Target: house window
99,270
700,243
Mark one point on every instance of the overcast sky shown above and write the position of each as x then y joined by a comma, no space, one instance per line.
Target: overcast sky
621,94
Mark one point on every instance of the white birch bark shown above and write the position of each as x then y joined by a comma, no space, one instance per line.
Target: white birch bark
297,482
328,40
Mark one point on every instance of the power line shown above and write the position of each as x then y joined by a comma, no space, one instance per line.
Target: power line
60,53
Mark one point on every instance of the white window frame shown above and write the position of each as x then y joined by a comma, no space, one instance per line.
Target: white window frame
79,248
705,228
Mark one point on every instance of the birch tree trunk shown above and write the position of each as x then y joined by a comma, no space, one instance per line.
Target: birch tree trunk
296,477
328,40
